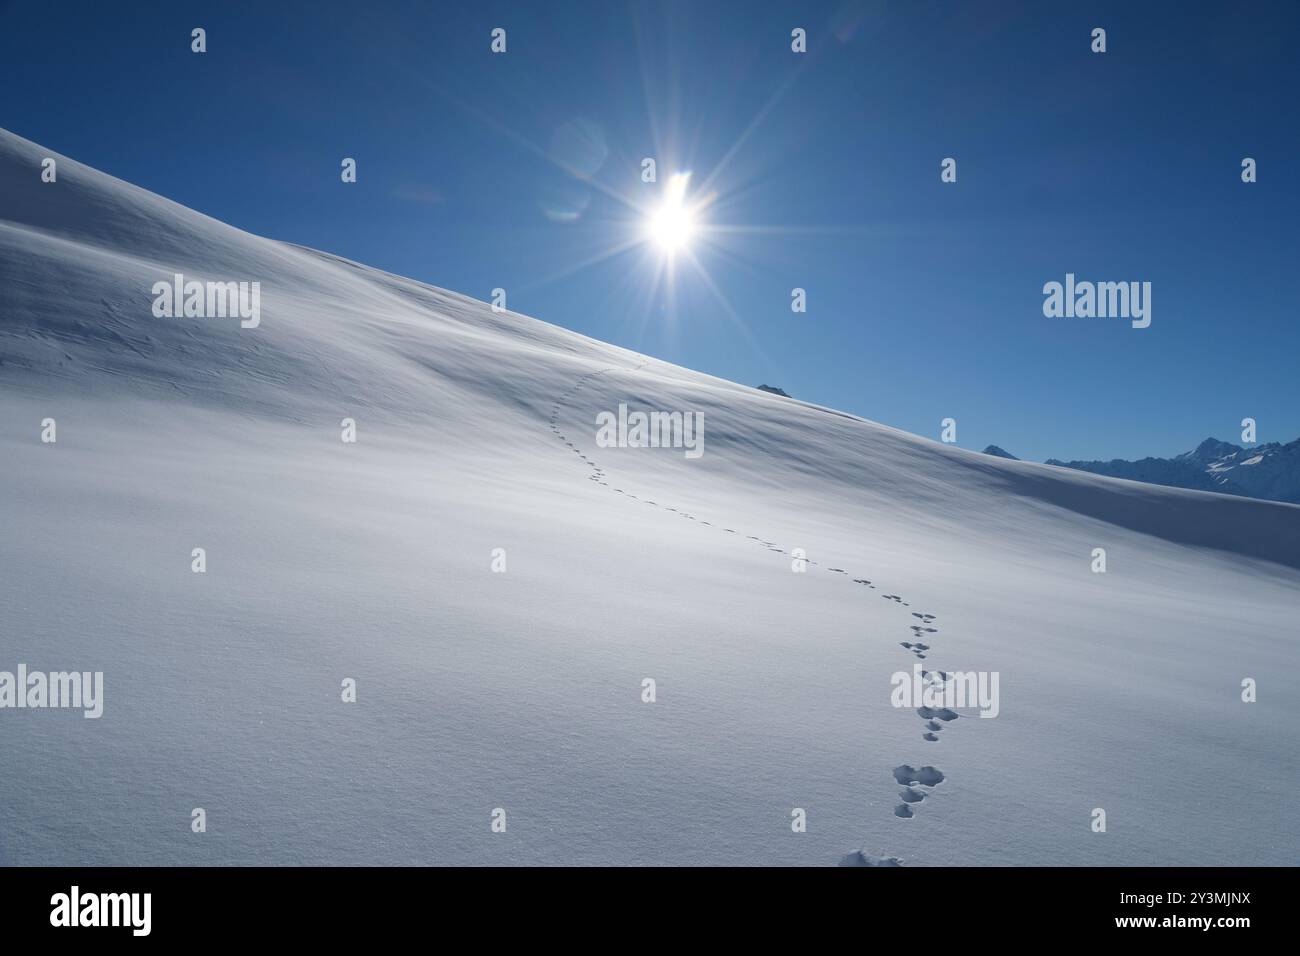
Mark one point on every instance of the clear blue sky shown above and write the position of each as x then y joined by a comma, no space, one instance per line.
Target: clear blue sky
924,298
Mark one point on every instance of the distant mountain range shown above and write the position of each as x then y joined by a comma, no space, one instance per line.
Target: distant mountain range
1270,471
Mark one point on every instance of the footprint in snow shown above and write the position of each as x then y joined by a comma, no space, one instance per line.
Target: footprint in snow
926,776
858,858
939,713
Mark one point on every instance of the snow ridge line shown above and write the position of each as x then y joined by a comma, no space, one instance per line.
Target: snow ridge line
916,784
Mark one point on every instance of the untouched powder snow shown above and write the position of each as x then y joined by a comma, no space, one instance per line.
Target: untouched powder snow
523,690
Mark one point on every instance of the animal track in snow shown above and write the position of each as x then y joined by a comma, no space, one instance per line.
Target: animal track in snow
858,858
906,775
926,776
942,713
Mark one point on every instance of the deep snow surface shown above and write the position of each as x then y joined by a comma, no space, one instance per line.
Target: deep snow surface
522,690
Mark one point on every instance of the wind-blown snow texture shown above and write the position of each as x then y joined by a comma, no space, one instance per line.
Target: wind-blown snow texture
522,690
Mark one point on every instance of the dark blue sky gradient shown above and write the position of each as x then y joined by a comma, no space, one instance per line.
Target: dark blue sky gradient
924,299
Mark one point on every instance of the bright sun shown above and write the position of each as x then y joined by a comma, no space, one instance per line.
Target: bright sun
672,225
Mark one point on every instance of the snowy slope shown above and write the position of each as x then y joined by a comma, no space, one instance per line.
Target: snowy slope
522,690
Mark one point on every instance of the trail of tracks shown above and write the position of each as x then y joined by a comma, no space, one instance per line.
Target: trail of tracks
915,784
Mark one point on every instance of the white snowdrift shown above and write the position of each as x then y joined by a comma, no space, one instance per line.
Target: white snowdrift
522,690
